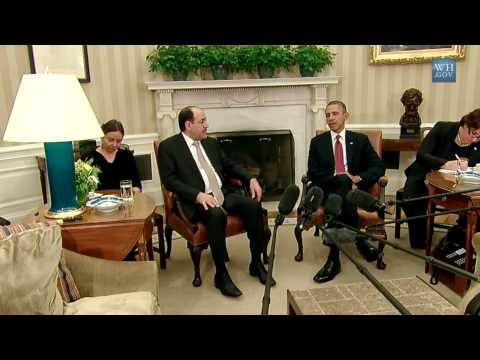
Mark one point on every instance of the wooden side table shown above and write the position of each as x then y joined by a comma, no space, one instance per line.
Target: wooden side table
113,235
438,183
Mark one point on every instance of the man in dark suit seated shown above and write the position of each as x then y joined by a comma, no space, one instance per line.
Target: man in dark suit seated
338,161
194,167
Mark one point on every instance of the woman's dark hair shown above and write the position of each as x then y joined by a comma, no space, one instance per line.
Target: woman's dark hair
113,125
472,119
186,114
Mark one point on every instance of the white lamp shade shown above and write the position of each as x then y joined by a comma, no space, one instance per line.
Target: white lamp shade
51,108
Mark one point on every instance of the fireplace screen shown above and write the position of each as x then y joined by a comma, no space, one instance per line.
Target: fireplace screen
267,155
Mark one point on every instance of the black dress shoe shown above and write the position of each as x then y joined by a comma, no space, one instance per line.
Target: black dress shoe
328,271
257,269
226,285
369,252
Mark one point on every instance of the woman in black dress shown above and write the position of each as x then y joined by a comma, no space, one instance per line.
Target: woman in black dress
438,150
116,163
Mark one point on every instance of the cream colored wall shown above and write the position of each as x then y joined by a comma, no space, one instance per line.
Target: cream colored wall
372,92
117,88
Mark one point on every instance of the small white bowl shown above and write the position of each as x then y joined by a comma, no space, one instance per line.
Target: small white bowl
105,204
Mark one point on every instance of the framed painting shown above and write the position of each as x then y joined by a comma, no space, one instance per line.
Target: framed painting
60,59
408,54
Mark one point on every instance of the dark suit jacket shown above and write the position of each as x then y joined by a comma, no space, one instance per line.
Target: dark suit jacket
438,147
362,160
179,172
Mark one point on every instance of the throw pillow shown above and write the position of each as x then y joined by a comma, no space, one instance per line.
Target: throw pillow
29,258
66,283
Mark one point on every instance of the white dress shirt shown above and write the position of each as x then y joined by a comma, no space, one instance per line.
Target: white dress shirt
342,141
193,150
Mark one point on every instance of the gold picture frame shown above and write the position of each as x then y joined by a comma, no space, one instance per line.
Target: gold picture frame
414,54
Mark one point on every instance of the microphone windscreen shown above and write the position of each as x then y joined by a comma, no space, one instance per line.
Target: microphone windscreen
313,198
361,199
288,200
333,205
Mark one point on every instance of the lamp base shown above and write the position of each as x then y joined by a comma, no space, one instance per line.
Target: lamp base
71,214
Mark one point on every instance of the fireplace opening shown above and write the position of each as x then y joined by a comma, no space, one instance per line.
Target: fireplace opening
266,155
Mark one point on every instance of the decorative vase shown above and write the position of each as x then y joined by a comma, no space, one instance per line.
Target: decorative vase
179,75
265,72
82,197
219,73
307,73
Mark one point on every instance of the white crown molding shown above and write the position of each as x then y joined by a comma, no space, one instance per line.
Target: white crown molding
240,83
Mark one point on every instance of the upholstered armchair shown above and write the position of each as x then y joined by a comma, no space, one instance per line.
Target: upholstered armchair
196,233
39,277
365,218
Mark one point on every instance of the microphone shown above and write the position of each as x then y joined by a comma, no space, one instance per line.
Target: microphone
313,200
285,207
333,207
365,201
287,202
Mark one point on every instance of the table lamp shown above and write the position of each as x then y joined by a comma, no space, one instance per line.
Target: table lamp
53,109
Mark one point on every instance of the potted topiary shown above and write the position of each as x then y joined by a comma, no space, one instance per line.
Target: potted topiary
178,61
268,58
311,59
218,59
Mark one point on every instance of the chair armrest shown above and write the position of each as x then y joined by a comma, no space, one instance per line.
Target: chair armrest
99,277
181,213
382,182
305,183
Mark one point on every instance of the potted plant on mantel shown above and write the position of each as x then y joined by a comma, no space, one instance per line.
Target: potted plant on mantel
178,61
268,58
219,59
311,59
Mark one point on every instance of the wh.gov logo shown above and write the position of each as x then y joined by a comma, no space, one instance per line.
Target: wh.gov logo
444,70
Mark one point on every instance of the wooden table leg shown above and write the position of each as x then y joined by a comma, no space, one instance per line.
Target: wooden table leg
428,245
461,283
161,241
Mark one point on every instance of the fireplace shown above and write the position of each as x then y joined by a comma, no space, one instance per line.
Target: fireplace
255,108
266,155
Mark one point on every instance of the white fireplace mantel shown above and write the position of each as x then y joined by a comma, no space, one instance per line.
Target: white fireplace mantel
294,104
241,83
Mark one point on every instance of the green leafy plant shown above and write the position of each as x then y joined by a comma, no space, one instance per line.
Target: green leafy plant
86,179
219,59
311,59
270,57
175,60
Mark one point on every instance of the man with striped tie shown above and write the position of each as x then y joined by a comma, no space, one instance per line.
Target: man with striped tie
194,167
338,160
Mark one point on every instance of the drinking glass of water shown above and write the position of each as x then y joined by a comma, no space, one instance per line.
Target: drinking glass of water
126,190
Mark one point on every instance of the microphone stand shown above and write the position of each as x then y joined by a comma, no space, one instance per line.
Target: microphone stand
429,259
427,197
367,274
268,284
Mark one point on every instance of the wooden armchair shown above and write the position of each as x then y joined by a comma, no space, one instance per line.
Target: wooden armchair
196,233
365,218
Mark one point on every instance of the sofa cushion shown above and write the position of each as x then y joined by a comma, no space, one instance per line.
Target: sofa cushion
29,257
66,283
132,303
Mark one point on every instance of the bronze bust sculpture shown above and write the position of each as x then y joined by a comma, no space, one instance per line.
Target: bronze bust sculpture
410,120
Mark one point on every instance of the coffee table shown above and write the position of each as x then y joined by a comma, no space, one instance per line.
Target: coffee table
362,298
